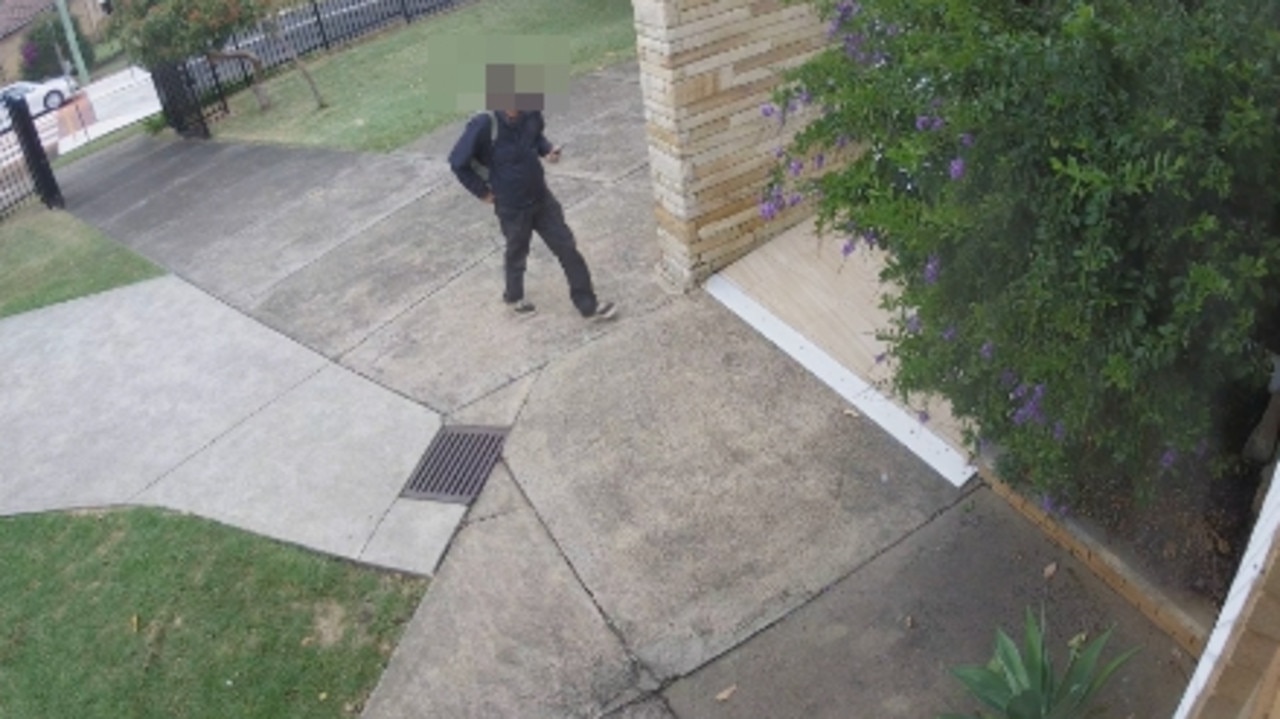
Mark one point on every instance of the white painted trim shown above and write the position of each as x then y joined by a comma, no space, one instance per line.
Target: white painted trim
908,430
1251,567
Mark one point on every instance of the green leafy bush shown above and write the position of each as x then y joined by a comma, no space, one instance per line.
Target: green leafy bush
1078,203
1023,685
39,56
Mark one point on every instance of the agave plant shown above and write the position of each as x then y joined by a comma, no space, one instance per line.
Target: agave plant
1023,685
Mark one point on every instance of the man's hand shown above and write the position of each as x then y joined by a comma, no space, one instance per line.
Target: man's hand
554,156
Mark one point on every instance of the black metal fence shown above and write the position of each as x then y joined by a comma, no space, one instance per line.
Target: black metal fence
308,27
25,172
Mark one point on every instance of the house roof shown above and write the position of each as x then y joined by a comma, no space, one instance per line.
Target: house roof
15,15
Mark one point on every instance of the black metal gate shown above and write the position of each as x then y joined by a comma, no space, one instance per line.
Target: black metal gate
181,103
24,165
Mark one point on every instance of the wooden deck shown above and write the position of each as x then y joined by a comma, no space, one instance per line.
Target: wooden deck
833,302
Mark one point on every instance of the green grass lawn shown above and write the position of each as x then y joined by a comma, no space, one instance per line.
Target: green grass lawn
49,256
377,88
143,613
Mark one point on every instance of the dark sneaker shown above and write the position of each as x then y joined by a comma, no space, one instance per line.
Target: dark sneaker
604,311
522,308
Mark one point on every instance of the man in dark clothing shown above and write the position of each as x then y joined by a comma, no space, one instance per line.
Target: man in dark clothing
516,186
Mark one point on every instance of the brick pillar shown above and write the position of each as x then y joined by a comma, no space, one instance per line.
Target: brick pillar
707,67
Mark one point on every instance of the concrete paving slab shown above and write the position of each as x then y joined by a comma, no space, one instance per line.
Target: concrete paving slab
462,343
653,708
243,267
104,394
852,652
413,535
702,484
320,466
145,186
506,631
499,408
499,496
337,301
609,147
231,197
615,229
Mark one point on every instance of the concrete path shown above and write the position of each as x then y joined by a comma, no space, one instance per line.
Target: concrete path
685,524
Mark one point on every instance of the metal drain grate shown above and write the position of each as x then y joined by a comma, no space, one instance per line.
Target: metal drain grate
456,465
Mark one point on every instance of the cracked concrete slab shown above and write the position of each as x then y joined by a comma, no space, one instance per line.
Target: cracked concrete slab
884,639
506,631
703,485
500,408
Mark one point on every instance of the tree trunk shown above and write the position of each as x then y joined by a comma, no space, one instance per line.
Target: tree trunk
274,24
264,102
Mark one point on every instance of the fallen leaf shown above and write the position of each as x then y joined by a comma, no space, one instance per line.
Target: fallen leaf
909,622
851,413
308,641
724,695
133,622
1078,640
1050,570
324,695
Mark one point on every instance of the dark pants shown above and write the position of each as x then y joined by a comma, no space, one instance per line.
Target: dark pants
547,219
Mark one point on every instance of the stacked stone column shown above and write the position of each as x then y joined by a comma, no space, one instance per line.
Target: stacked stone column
707,67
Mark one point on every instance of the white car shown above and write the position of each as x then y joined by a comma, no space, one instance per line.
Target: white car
42,96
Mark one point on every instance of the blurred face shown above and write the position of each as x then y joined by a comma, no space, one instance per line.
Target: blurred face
514,88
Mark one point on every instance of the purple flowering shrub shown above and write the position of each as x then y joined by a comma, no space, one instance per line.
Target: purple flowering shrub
1080,207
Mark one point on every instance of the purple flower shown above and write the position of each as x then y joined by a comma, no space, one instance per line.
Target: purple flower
819,161
1059,431
768,109
932,268
797,166
937,123
913,324
780,153
872,237
842,141
848,247
966,139
795,200
1168,459
923,122
806,98
1008,378
957,168
1030,410
1048,504
923,416
880,358
768,210
949,334
987,351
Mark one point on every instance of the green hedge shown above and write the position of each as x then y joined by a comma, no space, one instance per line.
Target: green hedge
1079,204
